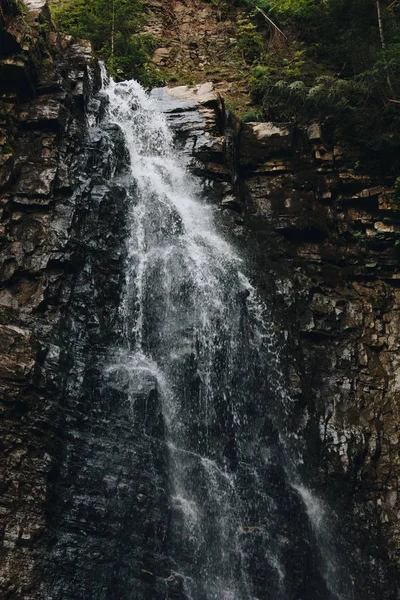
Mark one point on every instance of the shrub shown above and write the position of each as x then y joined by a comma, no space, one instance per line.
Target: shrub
250,42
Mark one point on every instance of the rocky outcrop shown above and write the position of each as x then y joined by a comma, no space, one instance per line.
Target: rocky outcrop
41,123
197,42
193,35
333,228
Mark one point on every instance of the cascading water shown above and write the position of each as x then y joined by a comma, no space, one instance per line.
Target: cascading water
190,329
195,367
187,328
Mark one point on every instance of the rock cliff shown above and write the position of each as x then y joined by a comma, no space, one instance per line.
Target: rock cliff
332,227
322,220
41,137
322,233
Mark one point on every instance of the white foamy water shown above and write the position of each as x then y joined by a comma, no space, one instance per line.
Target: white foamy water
197,335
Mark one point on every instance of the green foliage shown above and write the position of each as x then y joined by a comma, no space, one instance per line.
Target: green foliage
131,59
294,9
260,75
284,100
330,66
252,116
250,4
113,27
250,42
293,65
20,7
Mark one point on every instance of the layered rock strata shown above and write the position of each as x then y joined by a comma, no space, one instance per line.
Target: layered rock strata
42,79
322,233
335,232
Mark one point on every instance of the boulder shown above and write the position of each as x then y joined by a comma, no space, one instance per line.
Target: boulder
261,141
203,94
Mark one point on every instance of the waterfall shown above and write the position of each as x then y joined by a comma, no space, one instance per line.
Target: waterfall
187,392
188,334
194,331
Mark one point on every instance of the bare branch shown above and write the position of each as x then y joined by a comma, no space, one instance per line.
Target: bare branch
266,17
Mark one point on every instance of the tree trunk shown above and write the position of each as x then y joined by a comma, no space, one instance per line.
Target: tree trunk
381,33
113,29
383,44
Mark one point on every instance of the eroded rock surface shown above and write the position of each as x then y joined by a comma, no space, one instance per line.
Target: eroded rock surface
42,125
332,228
322,233
193,35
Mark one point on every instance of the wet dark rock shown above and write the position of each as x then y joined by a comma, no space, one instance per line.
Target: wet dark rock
336,290
38,134
44,113
327,236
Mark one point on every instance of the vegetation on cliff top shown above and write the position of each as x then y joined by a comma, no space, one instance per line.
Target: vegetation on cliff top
115,29
330,60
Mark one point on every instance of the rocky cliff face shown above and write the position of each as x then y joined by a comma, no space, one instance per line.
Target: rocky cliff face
322,235
333,229
322,221
195,37
41,137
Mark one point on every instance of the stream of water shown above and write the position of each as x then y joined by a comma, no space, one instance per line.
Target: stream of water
195,331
